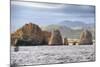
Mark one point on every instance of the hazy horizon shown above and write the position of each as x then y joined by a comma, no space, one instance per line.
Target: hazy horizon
49,13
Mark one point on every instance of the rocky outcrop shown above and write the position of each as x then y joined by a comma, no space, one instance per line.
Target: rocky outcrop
65,41
15,37
46,37
29,34
56,38
85,38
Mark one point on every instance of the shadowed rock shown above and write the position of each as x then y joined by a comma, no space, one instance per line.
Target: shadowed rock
56,38
74,43
86,38
46,37
16,49
65,41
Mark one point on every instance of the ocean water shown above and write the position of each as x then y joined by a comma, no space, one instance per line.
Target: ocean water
36,55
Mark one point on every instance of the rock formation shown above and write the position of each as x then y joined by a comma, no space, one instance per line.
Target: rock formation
46,37
16,49
65,41
29,34
56,38
86,38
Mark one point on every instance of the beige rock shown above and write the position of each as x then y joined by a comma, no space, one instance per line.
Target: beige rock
86,38
56,38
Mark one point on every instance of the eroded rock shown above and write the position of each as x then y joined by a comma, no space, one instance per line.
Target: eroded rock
56,38
86,38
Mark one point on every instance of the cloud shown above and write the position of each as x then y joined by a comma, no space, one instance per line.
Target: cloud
36,4
57,8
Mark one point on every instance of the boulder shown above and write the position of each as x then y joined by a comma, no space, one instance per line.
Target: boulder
56,38
86,38
65,41
16,49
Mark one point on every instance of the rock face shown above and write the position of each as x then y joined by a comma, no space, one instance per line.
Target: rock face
86,38
29,34
65,41
46,37
56,38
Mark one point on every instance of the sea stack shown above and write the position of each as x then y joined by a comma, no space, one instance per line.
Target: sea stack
86,38
29,34
56,38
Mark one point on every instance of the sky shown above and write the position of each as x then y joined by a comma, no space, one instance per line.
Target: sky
48,13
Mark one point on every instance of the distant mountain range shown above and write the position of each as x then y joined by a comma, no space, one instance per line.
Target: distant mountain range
76,24
71,29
